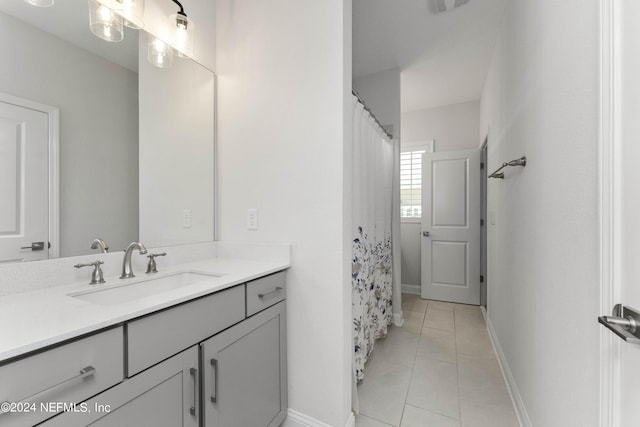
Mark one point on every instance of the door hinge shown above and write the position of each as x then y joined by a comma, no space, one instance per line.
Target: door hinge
481,222
481,279
481,165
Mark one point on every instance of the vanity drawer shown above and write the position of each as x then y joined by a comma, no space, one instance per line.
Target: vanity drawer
158,336
265,292
63,375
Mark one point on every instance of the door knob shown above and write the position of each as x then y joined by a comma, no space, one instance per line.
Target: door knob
624,322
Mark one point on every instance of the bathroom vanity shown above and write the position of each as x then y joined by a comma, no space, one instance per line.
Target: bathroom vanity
209,350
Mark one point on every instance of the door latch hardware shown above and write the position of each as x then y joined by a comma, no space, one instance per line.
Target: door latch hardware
425,233
624,322
35,246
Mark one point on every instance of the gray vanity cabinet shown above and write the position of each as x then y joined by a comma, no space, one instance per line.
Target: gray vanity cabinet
216,361
166,395
245,372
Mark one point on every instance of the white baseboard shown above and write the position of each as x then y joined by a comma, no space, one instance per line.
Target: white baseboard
411,289
512,387
298,419
351,422
398,319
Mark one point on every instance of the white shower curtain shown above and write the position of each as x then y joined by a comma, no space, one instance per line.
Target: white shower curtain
372,204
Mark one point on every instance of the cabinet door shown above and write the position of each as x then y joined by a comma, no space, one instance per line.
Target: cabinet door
167,395
245,372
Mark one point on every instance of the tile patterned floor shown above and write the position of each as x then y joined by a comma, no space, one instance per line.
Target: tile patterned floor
438,370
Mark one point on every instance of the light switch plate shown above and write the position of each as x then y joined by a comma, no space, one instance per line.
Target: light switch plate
252,219
186,218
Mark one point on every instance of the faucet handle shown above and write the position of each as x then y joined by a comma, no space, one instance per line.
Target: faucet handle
151,266
96,275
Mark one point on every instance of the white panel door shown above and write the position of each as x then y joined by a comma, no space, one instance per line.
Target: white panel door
451,226
24,191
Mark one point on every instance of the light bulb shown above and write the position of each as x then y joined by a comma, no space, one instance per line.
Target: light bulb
104,23
105,13
131,10
182,37
159,53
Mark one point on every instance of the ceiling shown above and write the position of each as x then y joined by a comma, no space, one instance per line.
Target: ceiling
443,58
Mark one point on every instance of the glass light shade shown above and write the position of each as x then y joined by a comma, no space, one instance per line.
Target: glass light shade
40,3
131,10
159,53
105,23
182,38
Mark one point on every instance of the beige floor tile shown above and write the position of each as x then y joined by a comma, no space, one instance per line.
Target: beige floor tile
413,321
363,421
469,317
437,344
477,373
417,417
439,369
474,342
487,407
398,347
383,391
434,387
439,318
413,303
441,305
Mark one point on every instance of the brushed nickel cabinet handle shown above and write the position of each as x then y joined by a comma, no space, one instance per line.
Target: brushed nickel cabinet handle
214,380
276,290
84,373
194,374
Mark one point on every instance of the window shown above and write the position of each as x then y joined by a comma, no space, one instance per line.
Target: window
411,183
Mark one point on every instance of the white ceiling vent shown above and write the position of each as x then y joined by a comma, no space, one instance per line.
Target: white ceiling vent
439,6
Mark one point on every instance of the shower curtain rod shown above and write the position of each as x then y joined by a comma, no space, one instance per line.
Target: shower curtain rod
361,101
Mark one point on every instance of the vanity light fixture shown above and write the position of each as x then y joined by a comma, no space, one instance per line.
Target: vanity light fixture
104,22
40,3
183,34
131,10
159,53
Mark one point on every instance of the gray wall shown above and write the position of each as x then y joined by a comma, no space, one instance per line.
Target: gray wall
98,131
453,127
541,100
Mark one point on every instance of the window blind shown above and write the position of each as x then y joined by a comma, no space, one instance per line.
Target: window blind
411,183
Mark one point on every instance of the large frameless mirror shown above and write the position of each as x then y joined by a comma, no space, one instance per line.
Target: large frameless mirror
95,142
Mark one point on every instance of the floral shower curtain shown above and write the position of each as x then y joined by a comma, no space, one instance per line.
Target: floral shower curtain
372,180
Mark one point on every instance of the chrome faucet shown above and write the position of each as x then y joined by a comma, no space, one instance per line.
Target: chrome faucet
127,271
99,243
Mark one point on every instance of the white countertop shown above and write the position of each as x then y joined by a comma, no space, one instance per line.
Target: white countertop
36,319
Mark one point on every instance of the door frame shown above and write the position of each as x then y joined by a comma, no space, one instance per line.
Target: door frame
484,232
609,208
53,154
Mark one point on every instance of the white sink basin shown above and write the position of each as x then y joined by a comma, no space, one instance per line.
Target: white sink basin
131,291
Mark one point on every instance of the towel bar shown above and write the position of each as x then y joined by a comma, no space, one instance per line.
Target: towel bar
522,161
